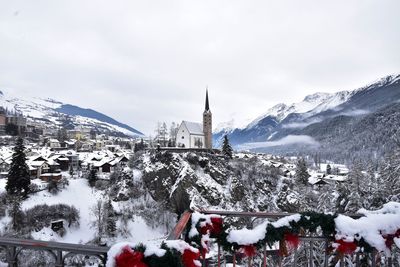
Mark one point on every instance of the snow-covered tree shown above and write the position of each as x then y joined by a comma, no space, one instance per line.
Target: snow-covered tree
110,219
99,216
302,174
328,169
390,176
52,186
92,177
18,179
16,213
356,185
227,150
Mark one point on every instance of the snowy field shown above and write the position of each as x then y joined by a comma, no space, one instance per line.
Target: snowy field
80,195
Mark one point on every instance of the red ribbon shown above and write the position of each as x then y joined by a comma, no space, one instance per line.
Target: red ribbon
292,241
248,250
215,228
346,247
130,258
389,239
189,257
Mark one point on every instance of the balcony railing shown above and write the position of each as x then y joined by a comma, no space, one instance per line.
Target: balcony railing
59,251
314,250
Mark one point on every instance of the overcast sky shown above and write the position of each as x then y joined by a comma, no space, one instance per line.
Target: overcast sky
147,61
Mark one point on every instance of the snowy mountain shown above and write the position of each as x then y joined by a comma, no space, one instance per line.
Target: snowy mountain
281,111
56,113
283,121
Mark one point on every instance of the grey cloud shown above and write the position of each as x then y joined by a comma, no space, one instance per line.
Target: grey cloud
287,140
148,61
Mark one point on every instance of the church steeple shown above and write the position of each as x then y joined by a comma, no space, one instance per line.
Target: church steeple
207,124
207,108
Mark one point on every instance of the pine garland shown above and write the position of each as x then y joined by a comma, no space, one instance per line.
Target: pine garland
286,232
309,223
135,256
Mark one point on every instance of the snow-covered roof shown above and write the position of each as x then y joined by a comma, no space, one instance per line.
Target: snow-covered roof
70,142
194,127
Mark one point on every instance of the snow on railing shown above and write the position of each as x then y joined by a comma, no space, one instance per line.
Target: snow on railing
212,238
58,251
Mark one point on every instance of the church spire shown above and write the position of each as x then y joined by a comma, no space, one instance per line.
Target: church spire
207,108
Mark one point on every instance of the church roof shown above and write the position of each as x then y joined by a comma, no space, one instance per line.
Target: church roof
194,127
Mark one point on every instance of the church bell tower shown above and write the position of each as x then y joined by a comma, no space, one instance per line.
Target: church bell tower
207,124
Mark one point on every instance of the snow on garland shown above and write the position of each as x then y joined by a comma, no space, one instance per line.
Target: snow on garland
378,230
171,253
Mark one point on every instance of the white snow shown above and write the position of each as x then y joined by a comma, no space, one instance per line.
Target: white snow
285,221
371,227
80,195
248,236
38,108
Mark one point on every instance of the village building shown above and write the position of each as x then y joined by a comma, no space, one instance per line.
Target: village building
18,120
3,120
194,134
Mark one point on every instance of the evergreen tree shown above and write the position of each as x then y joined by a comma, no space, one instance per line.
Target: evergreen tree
16,214
62,135
302,174
18,180
139,146
390,175
356,188
71,171
110,220
328,169
52,186
376,196
227,150
92,177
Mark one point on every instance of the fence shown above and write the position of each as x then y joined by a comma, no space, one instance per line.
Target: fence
314,250
59,251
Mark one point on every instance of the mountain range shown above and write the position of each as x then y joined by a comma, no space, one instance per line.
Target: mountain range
322,119
55,113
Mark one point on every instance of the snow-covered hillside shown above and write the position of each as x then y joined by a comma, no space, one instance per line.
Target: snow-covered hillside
54,112
311,104
320,116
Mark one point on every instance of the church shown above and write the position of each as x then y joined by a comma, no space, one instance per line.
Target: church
195,134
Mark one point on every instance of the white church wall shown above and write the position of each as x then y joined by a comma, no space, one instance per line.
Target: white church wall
183,137
197,141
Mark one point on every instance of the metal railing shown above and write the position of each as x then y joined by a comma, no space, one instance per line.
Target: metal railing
60,251
313,251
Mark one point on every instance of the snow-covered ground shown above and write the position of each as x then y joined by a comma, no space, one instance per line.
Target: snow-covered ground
80,195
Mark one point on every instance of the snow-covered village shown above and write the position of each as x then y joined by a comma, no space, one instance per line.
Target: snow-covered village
199,134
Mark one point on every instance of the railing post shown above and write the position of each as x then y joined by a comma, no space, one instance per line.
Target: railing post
342,261
180,226
104,260
12,257
357,259
295,258
326,261
390,262
373,258
265,256
59,259
219,256
311,254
